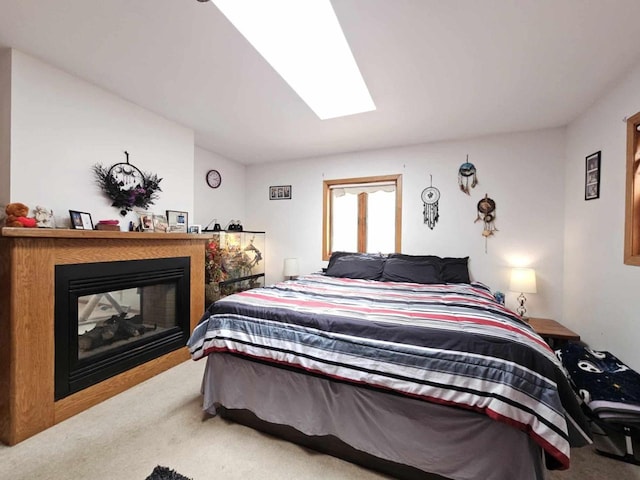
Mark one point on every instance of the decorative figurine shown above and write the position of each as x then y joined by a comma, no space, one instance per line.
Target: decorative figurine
44,217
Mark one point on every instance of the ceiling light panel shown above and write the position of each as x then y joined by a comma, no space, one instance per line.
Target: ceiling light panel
304,43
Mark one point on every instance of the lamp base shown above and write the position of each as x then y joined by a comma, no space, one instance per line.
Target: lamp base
522,310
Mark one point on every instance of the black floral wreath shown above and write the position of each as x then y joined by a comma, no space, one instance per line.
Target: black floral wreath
125,198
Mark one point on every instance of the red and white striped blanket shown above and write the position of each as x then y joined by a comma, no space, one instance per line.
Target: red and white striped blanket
451,344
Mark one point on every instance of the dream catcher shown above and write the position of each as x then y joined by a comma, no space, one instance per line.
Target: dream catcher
486,214
430,197
466,175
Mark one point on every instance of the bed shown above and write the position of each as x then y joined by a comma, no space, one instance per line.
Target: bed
397,362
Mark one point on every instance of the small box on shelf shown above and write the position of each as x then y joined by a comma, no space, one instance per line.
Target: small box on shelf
108,227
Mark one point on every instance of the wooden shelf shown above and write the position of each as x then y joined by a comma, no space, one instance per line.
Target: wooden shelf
70,233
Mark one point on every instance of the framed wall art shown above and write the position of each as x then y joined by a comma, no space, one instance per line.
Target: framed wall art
178,221
280,192
81,220
592,176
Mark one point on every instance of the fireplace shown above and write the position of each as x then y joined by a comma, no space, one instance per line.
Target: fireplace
113,316
28,261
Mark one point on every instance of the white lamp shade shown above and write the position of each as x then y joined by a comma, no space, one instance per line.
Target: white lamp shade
291,267
523,280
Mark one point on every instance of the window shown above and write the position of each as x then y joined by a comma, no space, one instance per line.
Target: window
362,215
632,220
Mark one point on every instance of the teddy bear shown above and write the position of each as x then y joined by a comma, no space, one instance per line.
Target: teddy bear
17,216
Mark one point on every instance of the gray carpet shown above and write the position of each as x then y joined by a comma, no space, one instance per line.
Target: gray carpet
160,422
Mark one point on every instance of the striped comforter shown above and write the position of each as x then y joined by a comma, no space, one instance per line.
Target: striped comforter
451,344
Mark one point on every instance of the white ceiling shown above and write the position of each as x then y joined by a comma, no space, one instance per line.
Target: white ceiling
436,69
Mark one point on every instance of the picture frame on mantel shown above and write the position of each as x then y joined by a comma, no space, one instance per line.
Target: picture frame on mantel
80,220
592,176
178,221
160,224
146,221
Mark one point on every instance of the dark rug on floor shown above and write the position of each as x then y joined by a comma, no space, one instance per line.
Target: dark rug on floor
164,473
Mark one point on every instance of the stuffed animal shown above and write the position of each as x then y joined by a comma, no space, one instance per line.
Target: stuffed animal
17,216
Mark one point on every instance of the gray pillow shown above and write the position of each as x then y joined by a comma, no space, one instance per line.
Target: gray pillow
455,270
450,269
356,265
414,269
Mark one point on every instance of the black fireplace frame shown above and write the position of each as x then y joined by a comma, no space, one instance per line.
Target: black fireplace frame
73,374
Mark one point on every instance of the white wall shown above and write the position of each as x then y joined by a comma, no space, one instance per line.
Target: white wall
225,203
62,126
601,293
522,172
5,127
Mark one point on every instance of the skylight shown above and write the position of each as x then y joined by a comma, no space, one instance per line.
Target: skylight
303,42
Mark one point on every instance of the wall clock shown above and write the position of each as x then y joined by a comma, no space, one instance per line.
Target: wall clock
214,179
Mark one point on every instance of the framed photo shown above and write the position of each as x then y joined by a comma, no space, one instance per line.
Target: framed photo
81,220
592,176
160,223
194,229
280,192
178,221
146,221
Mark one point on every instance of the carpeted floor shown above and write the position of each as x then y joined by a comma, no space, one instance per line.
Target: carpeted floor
160,423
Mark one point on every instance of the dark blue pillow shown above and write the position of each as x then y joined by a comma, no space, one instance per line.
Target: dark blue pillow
336,255
405,268
432,258
356,265
451,269
455,270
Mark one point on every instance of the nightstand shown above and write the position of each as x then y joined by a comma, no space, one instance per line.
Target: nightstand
554,333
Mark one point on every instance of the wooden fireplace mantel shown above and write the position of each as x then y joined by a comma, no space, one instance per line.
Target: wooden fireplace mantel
28,257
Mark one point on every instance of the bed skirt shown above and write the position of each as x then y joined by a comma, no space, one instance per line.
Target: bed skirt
450,442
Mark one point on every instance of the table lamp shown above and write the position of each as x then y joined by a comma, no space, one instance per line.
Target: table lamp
291,267
523,280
